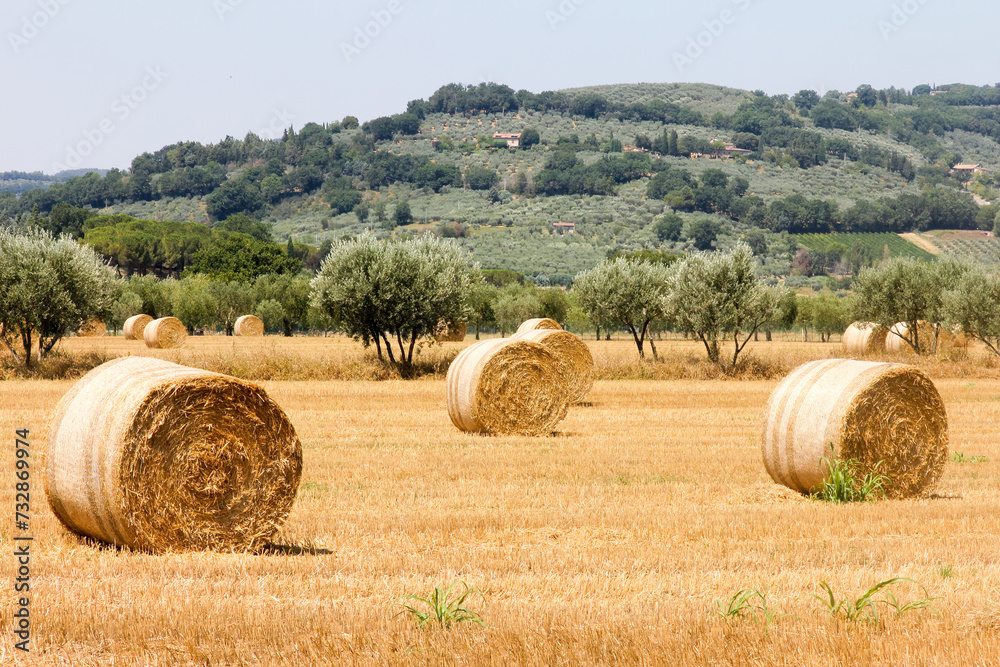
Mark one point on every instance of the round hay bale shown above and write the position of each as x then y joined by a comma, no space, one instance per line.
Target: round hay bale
248,325
864,338
895,341
572,357
879,414
450,333
147,454
506,386
538,323
93,328
165,333
135,325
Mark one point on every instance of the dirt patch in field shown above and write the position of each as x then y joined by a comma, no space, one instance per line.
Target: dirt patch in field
921,242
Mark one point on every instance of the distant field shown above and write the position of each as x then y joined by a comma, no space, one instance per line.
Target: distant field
612,542
977,246
898,246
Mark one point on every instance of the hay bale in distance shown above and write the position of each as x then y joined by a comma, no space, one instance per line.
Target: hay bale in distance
505,387
450,333
538,323
870,412
135,325
94,328
864,338
165,333
572,356
151,455
248,325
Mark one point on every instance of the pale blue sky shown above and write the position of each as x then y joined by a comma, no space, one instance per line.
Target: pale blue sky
114,79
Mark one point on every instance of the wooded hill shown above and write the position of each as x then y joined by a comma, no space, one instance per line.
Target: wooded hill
645,166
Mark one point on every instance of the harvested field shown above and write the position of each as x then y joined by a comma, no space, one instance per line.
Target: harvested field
607,544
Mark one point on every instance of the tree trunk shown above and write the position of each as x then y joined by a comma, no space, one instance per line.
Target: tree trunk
767,336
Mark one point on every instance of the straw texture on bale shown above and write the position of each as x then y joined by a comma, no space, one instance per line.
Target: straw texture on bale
538,323
505,386
94,328
864,338
248,325
450,333
135,325
869,412
147,454
572,357
165,333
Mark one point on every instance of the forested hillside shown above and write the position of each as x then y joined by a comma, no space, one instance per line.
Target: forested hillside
669,167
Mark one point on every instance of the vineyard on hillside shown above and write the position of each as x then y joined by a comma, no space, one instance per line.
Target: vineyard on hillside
897,246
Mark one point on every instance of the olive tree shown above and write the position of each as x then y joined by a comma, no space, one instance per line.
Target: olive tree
515,304
905,290
49,286
291,292
719,297
395,292
627,291
192,303
974,304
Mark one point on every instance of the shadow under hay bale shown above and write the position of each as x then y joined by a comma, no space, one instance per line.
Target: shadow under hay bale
538,323
878,414
248,325
165,333
864,338
155,456
135,326
571,354
504,387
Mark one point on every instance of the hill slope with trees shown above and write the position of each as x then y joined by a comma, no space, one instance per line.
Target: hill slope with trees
670,167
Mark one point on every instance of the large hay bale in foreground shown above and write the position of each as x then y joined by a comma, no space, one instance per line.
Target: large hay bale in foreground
93,328
538,323
870,412
151,455
165,333
506,386
248,325
864,338
134,326
450,333
572,356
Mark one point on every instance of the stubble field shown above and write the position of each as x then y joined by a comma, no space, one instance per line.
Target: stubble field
608,543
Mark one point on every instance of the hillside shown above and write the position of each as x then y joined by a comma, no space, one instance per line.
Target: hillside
799,172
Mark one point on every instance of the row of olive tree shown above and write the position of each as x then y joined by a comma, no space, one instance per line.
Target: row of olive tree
946,292
713,297
280,300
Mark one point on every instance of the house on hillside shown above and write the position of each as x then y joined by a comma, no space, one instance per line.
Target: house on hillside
513,140
564,227
730,150
970,169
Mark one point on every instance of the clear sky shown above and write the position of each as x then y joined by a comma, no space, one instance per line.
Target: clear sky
94,83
